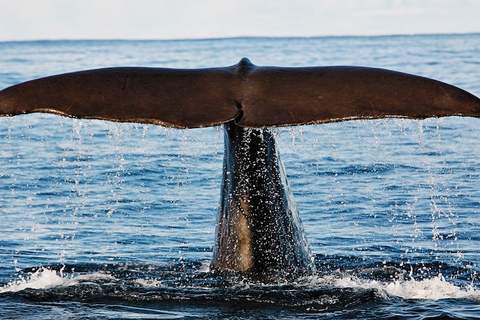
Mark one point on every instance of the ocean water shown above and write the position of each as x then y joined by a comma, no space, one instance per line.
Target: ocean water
103,220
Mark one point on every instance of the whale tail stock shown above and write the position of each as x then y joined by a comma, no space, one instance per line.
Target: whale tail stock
259,232
250,95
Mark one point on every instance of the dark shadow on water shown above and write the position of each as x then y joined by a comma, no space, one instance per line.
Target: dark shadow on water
186,289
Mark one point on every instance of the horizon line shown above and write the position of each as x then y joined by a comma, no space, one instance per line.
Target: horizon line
240,37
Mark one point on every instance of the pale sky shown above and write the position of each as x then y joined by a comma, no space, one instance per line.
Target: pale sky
173,19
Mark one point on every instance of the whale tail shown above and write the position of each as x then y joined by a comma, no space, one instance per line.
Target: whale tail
259,232
250,96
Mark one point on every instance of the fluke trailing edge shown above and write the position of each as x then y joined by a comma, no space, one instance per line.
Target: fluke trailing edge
259,232
251,96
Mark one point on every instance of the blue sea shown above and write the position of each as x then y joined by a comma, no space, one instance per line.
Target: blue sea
102,220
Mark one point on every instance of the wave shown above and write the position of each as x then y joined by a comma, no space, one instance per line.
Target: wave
45,278
198,284
435,288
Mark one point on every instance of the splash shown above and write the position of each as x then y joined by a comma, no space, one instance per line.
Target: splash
45,278
435,288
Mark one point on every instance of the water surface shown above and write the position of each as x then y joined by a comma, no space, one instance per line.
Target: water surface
116,221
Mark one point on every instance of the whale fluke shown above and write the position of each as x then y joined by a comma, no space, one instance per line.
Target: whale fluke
252,96
295,96
169,97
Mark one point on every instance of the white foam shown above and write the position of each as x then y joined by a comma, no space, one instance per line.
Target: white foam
41,279
153,283
205,267
46,279
434,288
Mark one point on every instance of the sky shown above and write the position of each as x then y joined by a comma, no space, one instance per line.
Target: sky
177,19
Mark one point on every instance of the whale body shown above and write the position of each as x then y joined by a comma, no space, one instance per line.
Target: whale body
259,232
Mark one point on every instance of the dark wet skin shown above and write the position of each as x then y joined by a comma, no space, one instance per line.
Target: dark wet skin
259,232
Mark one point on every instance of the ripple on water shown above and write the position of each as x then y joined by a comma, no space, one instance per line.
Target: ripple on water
391,205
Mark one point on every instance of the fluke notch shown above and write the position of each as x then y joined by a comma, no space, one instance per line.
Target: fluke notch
253,96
